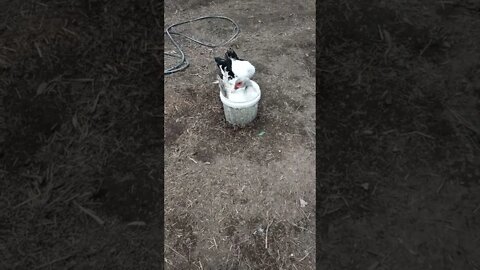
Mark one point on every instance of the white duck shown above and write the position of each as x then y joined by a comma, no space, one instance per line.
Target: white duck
242,90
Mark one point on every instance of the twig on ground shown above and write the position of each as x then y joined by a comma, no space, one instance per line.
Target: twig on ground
176,252
193,160
27,201
308,253
426,47
266,235
418,133
54,261
463,121
38,50
90,213
388,39
300,227
441,186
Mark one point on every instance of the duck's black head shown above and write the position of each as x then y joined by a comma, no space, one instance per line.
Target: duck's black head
231,54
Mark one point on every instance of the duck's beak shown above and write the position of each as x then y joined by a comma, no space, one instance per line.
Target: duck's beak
237,85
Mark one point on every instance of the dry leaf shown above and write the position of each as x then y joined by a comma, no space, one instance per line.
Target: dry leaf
137,223
41,88
303,203
75,123
365,186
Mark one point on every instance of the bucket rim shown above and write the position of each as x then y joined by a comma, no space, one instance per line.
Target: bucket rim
241,105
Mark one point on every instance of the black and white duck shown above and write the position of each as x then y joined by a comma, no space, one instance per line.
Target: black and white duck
234,66
235,75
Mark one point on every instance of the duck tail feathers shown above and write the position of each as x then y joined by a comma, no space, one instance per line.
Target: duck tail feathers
231,54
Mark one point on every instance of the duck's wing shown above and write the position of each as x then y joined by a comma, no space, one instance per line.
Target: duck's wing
243,69
222,65
220,62
225,64
220,73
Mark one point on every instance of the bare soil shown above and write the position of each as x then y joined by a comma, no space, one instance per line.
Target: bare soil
80,123
399,129
232,195
398,137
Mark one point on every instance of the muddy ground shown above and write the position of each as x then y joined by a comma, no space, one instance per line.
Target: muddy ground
232,196
399,135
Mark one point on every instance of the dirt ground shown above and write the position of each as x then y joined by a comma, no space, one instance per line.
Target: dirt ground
232,196
81,135
399,135
397,151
